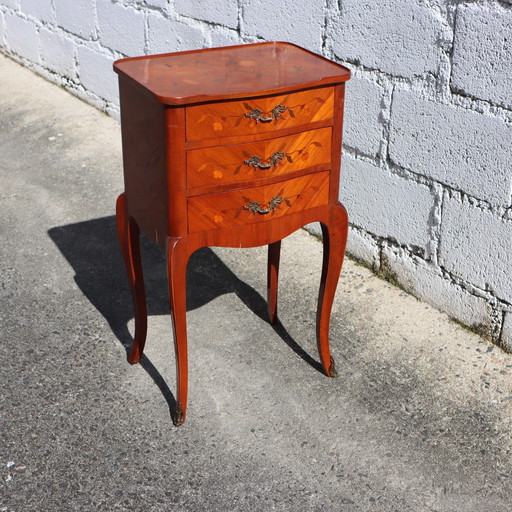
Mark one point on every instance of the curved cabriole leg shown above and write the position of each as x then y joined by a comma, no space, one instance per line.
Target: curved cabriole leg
128,232
334,240
177,260
274,252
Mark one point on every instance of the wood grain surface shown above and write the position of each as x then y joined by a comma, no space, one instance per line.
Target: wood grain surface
230,164
226,119
224,209
230,72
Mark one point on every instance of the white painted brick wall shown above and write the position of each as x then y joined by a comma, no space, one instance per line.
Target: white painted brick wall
222,36
482,57
426,172
452,145
121,27
76,16
427,283
385,204
223,12
3,41
13,4
396,36
162,4
296,21
57,52
166,33
362,126
38,9
506,337
477,247
362,246
22,37
95,73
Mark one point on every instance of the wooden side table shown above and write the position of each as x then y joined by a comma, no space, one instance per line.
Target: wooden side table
233,147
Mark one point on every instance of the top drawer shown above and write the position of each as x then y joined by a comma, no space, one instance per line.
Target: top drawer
259,115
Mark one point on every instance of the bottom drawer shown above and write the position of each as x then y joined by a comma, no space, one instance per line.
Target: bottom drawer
259,204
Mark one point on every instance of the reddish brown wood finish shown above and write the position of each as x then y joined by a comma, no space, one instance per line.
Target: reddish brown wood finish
242,139
185,142
177,261
232,164
128,232
214,211
274,254
229,118
145,166
334,239
231,72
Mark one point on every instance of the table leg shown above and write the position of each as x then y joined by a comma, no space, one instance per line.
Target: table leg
177,260
129,236
274,253
334,241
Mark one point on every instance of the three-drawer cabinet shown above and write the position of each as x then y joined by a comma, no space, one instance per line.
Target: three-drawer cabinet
236,147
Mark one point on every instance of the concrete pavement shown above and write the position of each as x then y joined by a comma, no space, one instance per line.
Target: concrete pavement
419,419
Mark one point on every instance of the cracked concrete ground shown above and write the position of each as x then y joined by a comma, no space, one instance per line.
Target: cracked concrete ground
419,419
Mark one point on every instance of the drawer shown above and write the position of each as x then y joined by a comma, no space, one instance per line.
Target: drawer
258,204
258,115
263,159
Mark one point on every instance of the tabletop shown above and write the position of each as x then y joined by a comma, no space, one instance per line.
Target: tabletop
230,72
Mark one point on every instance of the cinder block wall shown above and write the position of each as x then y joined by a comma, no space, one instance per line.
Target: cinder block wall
427,169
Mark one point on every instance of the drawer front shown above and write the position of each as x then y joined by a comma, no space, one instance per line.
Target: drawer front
259,204
274,157
259,115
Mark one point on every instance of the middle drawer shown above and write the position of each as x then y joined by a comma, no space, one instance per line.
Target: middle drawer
255,160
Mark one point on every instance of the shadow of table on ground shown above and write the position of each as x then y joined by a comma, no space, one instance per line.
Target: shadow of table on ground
92,249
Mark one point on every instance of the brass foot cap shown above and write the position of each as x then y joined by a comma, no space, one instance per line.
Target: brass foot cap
332,369
179,416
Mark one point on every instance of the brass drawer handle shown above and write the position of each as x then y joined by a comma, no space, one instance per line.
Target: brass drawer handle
256,207
257,162
259,116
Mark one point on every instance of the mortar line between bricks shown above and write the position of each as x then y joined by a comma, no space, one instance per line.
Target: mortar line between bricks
392,243
56,29
381,242
325,24
240,19
435,221
419,85
365,69
502,327
473,289
76,38
380,246
481,204
386,124
499,307
504,5
457,93
420,179
96,21
377,241
146,32
452,49
148,8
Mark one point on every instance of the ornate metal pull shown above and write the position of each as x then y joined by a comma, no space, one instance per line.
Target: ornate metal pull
256,207
257,162
259,116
